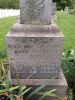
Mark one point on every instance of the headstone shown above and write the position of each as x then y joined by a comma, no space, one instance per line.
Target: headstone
43,9
35,49
66,9
61,10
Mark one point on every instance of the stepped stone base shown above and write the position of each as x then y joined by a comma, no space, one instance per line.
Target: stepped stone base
35,53
59,84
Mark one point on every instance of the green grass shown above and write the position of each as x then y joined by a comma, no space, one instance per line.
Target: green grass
9,4
66,24
5,26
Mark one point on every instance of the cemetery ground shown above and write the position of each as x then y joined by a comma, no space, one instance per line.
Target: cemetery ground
65,21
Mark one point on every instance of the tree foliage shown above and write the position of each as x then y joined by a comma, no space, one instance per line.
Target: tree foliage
62,3
9,4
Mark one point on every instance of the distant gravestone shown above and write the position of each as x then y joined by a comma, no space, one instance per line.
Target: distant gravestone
66,9
35,47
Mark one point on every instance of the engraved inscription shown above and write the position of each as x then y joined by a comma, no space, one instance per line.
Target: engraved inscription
33,40
35,57
32,46
39,72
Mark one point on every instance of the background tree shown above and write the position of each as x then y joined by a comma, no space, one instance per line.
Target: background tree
62,3
9,4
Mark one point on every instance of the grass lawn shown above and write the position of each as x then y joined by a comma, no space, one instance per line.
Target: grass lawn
66,23
5,26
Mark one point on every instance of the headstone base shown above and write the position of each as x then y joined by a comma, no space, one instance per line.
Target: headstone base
59,84
35,51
